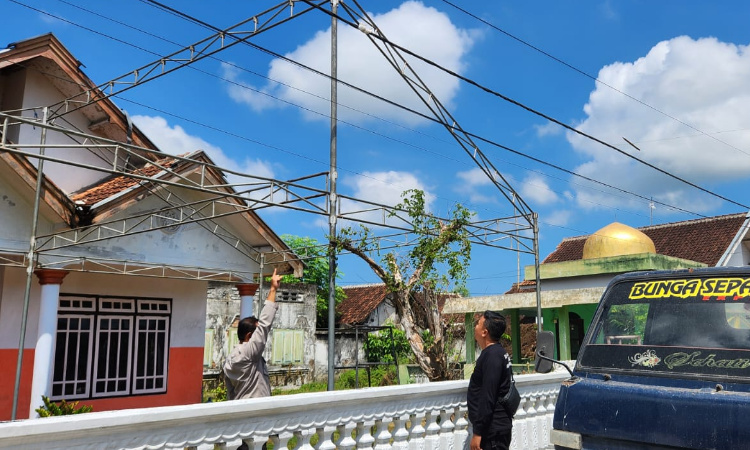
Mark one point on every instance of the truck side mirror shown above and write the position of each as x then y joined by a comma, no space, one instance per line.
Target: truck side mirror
545,351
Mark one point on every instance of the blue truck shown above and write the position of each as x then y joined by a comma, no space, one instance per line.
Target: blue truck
665,364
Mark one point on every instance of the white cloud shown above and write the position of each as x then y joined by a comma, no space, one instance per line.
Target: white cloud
548,129
423,30
384,188
471,182
175,141
534,189
557,218
700,82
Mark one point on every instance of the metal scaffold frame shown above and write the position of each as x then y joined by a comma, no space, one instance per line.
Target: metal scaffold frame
307,194
314,194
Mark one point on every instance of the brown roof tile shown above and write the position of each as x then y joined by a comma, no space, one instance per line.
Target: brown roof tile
360,302
523,286
114,185
703,240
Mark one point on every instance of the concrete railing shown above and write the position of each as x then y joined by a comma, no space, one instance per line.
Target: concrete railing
415,417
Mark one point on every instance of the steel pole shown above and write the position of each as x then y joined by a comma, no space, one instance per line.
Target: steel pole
539,320
332,201
31,263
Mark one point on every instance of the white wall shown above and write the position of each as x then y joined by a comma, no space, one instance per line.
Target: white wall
15,215
38,92
188,302
190,244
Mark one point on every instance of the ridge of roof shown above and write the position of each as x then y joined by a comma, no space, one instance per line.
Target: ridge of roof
670,224
360,286
693,221
115,185
703,240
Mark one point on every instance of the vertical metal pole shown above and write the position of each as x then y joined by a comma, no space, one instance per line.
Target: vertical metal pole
332,199
30,267
539,321
261,297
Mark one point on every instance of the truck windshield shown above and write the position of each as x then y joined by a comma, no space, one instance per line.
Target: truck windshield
690,325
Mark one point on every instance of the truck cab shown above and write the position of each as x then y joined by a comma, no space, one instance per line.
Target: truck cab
665,364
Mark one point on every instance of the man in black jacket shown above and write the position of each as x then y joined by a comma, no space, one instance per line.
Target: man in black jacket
489,383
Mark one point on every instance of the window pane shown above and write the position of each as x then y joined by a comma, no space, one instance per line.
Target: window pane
70,363
673,326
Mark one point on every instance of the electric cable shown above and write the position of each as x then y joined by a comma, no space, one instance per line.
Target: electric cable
528,108
594,78
368,93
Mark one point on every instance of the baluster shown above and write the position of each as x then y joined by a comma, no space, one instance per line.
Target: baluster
461,432
551,400
520,439
446,430
220,446
191,447
532,421
364,436
417,432
346,442
382,435
256,442
281,440
431,438
541,412
400,433
325,438
303,439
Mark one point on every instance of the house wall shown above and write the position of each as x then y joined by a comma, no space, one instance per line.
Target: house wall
296,311
561,284
178,245
346,351
186,334
37,91
11,95
385,311
15,215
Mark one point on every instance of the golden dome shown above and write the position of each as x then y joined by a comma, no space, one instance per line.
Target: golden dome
617,239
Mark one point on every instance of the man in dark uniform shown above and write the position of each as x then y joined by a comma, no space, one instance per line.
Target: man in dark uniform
489,383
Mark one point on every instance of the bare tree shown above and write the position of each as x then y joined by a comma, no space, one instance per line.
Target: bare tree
437,260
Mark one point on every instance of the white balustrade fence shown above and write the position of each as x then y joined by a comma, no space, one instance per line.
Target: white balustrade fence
430,416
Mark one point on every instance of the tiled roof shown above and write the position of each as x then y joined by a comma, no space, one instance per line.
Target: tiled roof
702,240
360,302
113,186
523,286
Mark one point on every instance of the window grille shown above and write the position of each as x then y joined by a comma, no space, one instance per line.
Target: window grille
113,356
110,346
72,357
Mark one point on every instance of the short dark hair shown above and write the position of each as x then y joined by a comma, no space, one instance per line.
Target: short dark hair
494,323
246,326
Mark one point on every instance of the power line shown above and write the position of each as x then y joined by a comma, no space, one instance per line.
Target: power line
530,109
592,77
195,20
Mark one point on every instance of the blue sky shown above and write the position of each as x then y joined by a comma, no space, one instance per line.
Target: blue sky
673,80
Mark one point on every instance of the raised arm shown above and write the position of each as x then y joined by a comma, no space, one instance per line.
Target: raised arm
275,280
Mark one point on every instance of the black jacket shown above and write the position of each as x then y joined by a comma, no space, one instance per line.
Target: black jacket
489,383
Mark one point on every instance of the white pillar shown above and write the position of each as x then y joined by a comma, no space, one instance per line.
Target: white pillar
247,292
44,352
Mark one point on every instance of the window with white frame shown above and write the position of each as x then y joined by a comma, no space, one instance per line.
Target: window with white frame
110,346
